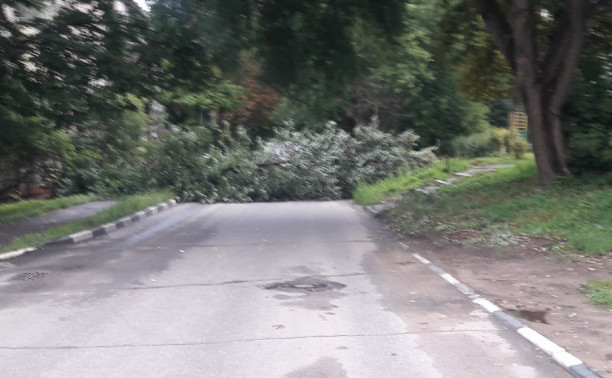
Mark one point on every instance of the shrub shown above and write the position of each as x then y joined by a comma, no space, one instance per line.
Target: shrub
485,143
198,169
590,149
302,165
493,141
518,146
329,164
217,163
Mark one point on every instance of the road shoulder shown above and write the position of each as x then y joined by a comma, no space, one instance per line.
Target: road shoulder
537,289
104,229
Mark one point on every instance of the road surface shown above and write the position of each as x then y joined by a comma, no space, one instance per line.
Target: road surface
306,289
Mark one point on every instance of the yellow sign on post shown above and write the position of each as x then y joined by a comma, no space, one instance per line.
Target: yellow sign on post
519,123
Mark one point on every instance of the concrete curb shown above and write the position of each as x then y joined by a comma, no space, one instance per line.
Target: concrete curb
569,362
105,229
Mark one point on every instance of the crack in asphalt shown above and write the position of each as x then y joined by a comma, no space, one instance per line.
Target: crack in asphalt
203,343
211,284
263,242
237,282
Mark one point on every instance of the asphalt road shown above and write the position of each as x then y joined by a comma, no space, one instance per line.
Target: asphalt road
307,289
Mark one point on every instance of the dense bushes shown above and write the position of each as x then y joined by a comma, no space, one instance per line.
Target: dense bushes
588,115
213,163
330,164
590,149
493,141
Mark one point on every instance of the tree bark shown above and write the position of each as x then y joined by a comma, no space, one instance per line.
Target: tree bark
544,84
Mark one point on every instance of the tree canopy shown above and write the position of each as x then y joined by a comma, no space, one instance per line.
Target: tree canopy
106,96
542,42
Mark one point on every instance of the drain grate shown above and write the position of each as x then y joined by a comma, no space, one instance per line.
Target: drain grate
29,276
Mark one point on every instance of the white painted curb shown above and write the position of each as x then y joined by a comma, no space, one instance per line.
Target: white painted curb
95,232
569,362
16,253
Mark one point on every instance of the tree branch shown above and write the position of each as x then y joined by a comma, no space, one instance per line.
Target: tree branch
527,69
497,23
564,55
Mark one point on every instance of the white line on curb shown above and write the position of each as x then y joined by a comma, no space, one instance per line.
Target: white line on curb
450,279
109,227
18,252
81,236
487,305
568,361
89,234
540,341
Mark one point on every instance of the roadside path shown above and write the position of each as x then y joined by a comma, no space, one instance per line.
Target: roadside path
39,223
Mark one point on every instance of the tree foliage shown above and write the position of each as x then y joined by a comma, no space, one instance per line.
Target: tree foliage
542,42
60,68
239,100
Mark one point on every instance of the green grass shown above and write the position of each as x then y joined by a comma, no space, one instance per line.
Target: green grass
366,194
12,212
125,206
576,211
599,292
499,160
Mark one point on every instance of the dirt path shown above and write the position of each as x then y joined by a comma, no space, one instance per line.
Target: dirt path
537,286
55,218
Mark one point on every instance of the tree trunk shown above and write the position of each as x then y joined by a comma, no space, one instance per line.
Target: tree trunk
543,81
546,136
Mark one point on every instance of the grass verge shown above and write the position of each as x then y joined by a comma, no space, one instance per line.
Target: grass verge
12,212
509,203
125,206
499,160
599,292
367,194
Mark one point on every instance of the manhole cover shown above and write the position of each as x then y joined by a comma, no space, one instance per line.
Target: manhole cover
6,266
29,276
308,284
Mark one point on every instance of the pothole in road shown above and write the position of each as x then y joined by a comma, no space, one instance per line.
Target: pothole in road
305,285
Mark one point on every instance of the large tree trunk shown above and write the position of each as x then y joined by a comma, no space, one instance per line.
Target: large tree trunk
546,136
543,115
543,81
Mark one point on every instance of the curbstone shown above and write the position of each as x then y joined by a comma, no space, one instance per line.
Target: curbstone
104,229
98,231
463,174
566,359
61,241
109,227
443,182
489,306
124,222
81,236
508,320
540,341
583,371
138,216
569,362
16,253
